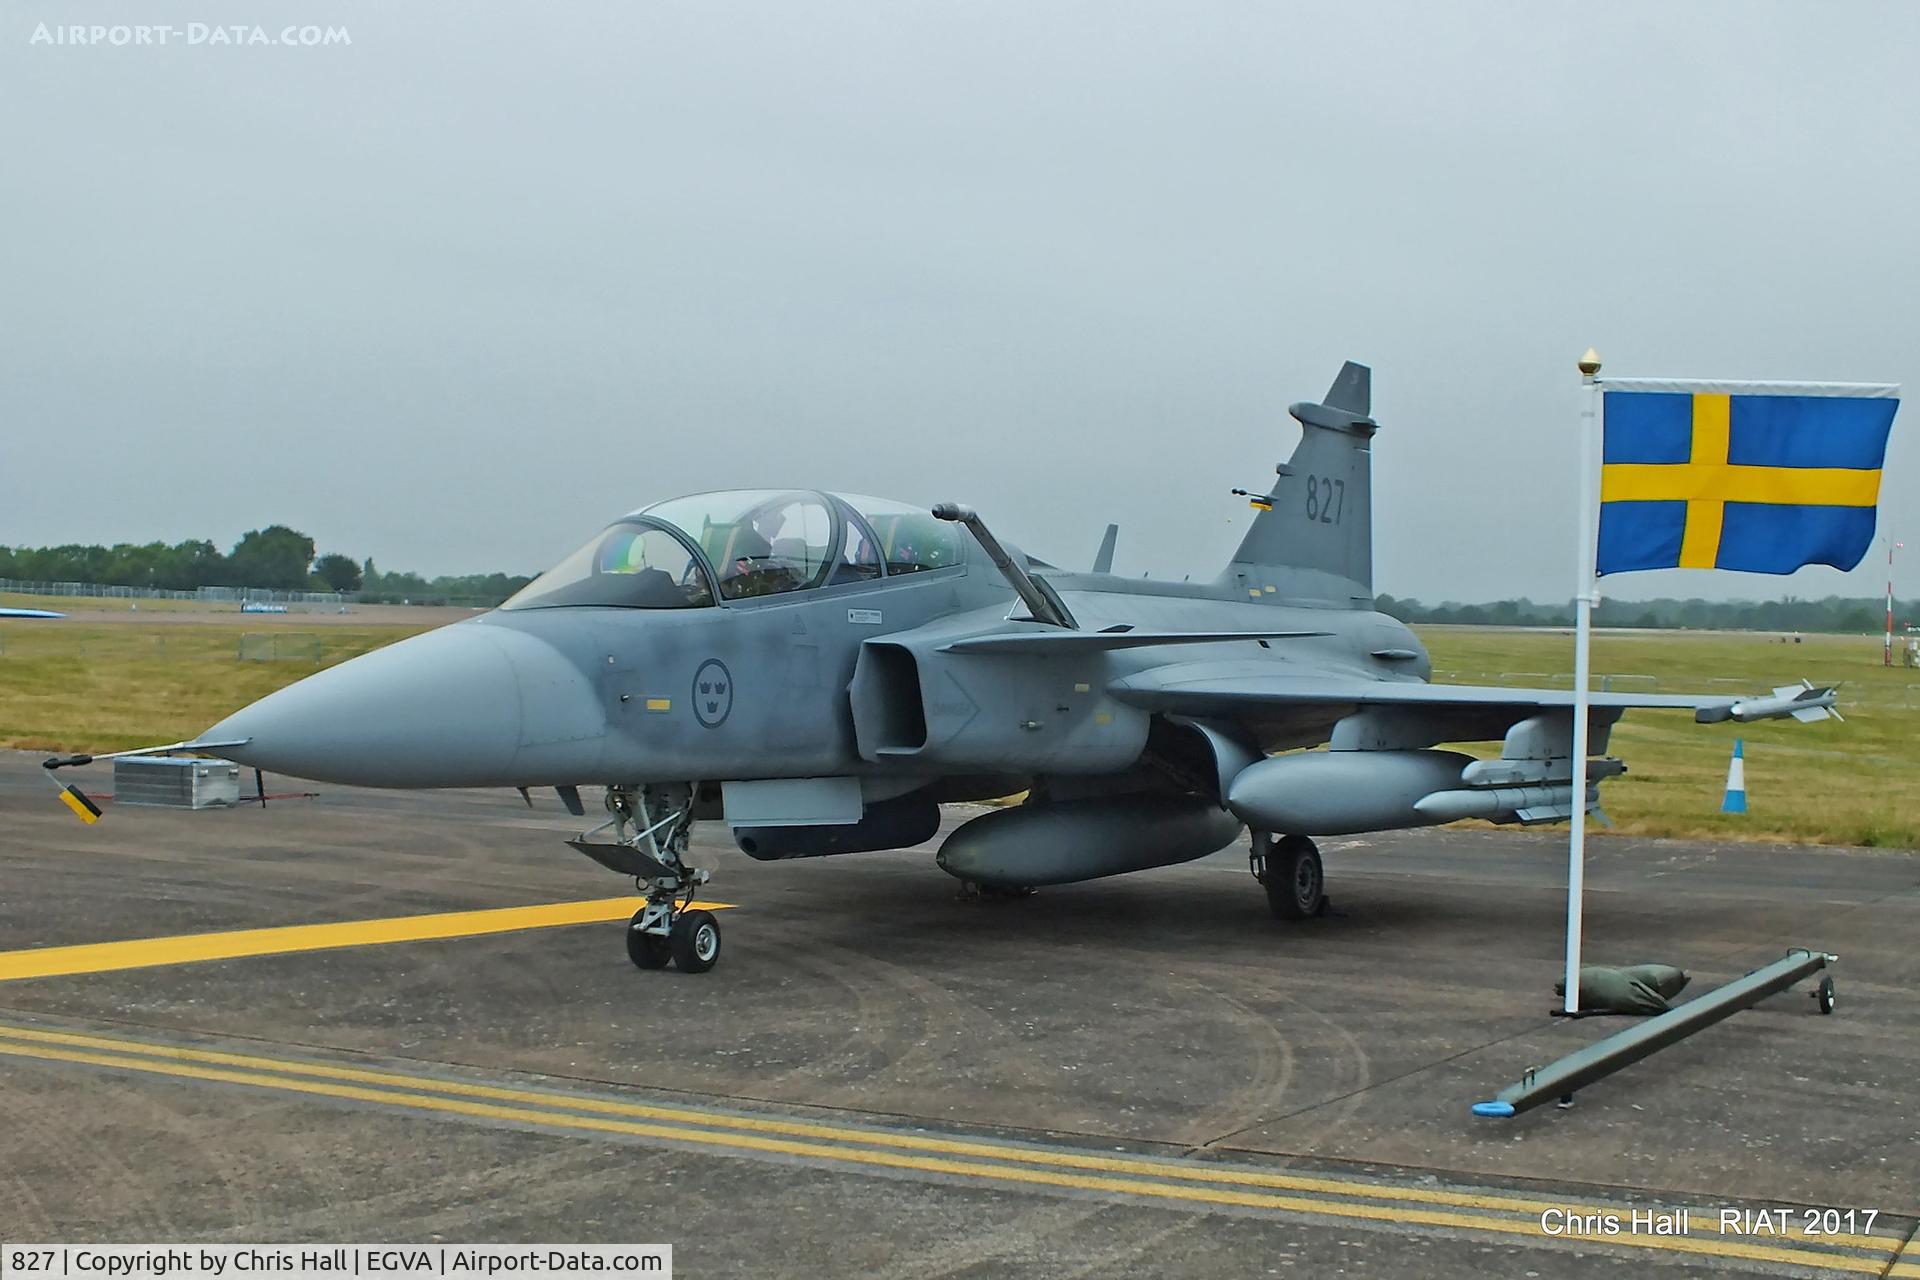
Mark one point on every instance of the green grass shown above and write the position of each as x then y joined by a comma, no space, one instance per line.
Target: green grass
78,686
70,686
1854,783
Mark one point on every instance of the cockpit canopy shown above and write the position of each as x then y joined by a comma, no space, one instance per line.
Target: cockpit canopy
739,544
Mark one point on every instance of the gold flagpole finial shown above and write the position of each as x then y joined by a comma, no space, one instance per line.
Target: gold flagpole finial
1589,363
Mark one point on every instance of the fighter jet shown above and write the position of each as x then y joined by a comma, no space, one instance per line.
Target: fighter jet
822,671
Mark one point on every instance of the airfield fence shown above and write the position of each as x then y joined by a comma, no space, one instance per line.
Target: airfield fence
237,595
247,595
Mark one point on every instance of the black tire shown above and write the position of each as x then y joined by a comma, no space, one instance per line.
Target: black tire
1295,882
1823,995
696,941
646,950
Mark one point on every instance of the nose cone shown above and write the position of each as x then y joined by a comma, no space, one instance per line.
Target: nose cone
470,705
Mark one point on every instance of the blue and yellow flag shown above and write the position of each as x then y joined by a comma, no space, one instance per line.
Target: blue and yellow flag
1763,477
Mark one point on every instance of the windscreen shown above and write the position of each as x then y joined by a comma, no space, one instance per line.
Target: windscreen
629,566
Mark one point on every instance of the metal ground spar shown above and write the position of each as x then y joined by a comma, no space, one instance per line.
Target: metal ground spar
1557,1081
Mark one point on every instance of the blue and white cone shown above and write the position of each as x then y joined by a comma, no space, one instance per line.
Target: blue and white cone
1736,801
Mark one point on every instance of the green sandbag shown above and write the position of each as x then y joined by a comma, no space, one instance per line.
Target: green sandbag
1664,978
1640,989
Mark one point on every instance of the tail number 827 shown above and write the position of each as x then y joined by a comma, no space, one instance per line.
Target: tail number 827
1326,499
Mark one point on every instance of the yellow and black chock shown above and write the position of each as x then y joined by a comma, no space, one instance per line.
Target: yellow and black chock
77,800
71,796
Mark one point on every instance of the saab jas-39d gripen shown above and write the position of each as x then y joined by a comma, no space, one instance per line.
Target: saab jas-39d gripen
822,671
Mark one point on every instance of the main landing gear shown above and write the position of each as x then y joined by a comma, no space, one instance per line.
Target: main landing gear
1288,867
973,891
651,826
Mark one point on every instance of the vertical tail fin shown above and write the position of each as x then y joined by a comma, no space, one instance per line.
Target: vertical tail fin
1103,559
1312,541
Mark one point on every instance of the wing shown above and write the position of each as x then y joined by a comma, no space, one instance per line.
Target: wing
1255,692
1068,643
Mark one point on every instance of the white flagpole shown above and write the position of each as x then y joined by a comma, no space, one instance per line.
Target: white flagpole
1582,664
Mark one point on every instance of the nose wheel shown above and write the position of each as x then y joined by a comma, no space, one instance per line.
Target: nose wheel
690,940
1289,869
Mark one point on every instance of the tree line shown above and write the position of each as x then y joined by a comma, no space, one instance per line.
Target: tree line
276,558
1833,614
410,588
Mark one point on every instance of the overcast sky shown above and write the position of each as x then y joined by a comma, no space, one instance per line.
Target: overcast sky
459,292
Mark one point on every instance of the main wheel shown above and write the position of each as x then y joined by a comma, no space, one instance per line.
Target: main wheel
646,950
1823,995
696,941
1295,882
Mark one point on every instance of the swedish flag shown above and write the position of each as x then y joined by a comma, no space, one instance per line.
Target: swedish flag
1761,477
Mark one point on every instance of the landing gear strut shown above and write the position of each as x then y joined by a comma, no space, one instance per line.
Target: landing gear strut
973,891
651,826
1288,867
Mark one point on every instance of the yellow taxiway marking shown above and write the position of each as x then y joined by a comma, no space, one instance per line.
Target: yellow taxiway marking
1162,1179
191,948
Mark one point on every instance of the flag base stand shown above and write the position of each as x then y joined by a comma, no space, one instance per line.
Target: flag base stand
1559,1081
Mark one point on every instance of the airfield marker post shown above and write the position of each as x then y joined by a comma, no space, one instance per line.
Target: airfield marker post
1892,546
1582,675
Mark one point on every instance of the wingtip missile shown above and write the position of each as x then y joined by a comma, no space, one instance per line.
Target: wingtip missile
1803,702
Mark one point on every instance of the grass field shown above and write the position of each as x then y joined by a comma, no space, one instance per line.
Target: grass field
79,685
74,686
1854,783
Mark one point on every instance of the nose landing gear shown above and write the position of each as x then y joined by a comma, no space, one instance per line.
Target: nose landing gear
651,826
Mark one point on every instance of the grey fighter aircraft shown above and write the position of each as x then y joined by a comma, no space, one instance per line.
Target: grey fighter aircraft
823,671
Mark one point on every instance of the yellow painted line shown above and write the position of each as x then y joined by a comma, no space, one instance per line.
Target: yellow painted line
1397,1215
1908,1263
290,1069
192,948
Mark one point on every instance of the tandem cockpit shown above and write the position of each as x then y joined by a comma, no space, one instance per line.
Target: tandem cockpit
744,544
